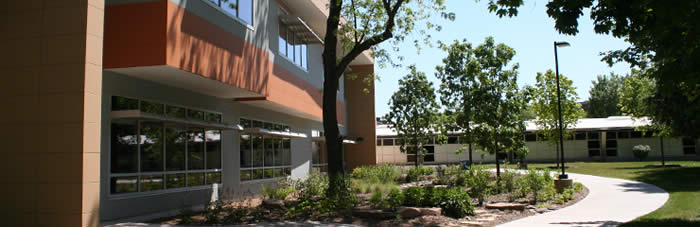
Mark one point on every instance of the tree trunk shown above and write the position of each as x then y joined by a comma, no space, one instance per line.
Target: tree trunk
470,155
417,155
332,133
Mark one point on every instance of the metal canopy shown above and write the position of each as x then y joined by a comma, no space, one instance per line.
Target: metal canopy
346,140
138,115
262,131
301,29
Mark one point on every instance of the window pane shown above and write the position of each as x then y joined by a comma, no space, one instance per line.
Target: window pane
214,178
214,117
452,140
246,156
580,135
175,145
290,45
304,57
257,151
124,148
151,147
379,142
195,179
636,134
688,142
151,182
623,135
121,103
174,111
530,137
287,151
124,184
689,150
195,150
175,180
282,39
213,149
257,174
246,175
279,152
297,52
245,123
316,152
269,152
278,172
269,173
229,6
257,124
593,135
287,171
388,142
245,11
195,114
152,107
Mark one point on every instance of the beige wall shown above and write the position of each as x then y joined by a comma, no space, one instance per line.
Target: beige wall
51,73
360,117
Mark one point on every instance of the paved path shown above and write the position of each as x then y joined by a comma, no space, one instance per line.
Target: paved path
610,202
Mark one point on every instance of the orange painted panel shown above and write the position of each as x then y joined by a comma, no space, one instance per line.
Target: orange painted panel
134,35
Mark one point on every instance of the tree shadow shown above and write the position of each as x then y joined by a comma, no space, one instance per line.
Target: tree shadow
683,179
662,222
641,187
596,223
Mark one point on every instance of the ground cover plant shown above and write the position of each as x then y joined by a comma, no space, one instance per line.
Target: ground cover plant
682,184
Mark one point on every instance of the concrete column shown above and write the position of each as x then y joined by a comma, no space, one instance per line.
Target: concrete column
361,121
51,71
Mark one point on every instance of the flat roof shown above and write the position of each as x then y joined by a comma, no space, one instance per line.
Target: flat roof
583,124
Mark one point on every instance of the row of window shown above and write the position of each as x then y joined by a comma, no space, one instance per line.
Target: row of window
264,157
247,123
148,156
123,103
292,46
242,9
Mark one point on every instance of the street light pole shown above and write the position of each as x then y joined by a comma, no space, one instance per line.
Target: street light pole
561,127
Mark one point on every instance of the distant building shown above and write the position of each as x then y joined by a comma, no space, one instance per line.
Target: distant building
594,139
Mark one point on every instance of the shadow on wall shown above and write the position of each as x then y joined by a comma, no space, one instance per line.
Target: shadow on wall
203,48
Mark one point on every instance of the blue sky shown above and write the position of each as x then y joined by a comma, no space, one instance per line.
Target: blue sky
531,34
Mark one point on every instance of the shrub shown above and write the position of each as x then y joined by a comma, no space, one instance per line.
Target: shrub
453,175
456,203
314,185
390,200
419,173
343,201
235,215
578,187
539,183
641,151
212,210
281,190
566,195
381,173
414,196
478,181
434,196
508,180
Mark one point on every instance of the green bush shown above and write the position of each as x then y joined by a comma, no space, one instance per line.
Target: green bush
453,175
280,190
419,173
578,187
343,201
456,203
314,185
508,181
414,196
390,200
479,182
539,183
641,151
381,173
566,195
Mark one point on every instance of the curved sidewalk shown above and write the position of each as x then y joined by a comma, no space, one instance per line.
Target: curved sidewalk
610,202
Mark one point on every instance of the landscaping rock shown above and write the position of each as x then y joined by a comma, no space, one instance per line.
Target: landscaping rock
372,213
435,211
531,207
441,186
506,206
541,210
273,203
409,212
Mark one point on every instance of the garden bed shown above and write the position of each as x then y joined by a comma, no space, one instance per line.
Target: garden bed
453,194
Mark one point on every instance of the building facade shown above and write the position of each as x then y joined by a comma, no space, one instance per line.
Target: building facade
593,139
136,108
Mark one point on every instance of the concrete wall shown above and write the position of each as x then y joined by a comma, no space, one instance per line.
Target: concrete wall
50,67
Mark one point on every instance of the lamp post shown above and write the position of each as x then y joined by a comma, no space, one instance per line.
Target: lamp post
561,127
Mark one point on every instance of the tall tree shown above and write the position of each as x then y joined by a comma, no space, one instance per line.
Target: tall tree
544,98
637,100
666,33
605,96
414,113
479,87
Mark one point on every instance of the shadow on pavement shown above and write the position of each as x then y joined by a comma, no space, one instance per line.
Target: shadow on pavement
641,187
589,223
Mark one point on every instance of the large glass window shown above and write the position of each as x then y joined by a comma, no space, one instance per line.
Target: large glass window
246,153
150,156
292,46
688,146
242,9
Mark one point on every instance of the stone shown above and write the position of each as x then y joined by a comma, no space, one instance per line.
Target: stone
409,212
541,210
276,203
530,207
372,213
441,186
506,206
480,211
434,211
471,223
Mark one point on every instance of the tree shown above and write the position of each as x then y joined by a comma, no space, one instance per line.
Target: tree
414,112
544,96
479,87
605,96
636,100
660,31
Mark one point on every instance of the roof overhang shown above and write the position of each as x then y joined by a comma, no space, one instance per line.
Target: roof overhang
138,115
274,133
346,140
264,103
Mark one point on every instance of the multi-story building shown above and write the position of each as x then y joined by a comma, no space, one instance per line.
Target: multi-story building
129,108
594,139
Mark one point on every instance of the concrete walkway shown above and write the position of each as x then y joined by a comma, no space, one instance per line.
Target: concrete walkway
610,202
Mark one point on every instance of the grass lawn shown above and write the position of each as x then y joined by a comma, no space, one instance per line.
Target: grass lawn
682,183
